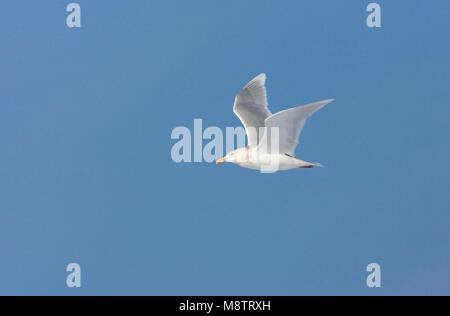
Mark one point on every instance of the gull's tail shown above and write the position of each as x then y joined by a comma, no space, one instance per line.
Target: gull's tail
311,164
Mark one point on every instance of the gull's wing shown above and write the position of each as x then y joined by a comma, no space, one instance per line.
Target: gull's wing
290,123
251,107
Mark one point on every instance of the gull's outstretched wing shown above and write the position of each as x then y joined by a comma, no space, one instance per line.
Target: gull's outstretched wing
251,107
290,123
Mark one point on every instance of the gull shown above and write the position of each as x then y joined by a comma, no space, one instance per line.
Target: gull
272,138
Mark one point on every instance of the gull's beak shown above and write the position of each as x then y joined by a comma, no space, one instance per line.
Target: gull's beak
221,161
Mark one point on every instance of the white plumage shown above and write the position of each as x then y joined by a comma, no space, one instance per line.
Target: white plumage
266,151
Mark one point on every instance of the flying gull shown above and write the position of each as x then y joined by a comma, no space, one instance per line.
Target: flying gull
272,138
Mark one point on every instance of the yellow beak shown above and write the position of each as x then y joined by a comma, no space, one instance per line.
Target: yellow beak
221,161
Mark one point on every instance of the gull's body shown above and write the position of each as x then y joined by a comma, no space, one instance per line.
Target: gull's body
264,150
250,157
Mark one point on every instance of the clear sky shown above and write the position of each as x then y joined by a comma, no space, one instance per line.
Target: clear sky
86,174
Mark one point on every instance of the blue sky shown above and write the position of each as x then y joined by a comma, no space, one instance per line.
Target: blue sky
86,174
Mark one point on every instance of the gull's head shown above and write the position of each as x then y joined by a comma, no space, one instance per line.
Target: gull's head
236,156
222,160
228,158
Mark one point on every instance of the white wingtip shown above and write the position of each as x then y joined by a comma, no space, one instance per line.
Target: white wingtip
261,76
260,79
